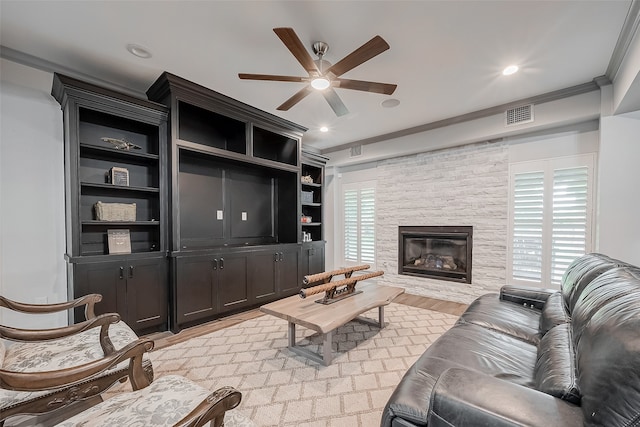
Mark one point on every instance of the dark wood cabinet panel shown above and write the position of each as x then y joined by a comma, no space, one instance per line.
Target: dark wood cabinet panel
196,296
288,277
312,258
233,285
106,279
262,275
135,289
147,294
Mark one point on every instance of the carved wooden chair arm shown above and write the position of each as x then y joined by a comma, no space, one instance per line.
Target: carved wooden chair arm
30,335
89,301
46,380
212,408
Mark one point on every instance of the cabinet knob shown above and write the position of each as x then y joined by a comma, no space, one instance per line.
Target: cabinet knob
275,257
130,271
121,273
281,256
214,264
221,263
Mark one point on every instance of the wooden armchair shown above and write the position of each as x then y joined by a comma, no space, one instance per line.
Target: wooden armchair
170,400
45,370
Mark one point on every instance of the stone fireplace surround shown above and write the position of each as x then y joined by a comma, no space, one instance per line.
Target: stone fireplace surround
463,185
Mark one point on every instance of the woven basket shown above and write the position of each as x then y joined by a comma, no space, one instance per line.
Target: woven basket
115,211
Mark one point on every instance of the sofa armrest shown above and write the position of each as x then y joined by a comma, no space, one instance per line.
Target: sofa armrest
527,296
462,397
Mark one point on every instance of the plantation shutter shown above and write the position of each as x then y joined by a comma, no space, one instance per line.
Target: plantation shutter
528,205
359,223
367,226
351,225
569,235
550,218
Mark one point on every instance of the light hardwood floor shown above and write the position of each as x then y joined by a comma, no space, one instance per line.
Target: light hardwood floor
165,339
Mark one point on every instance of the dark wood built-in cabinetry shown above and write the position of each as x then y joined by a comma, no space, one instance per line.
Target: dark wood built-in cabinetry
133,284
218,202
236,238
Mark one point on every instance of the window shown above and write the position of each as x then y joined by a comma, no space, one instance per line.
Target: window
551,203
359,223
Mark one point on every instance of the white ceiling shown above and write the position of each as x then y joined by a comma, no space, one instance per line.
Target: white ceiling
446,56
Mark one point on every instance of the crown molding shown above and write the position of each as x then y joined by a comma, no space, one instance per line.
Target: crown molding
491,111
628,32
51,67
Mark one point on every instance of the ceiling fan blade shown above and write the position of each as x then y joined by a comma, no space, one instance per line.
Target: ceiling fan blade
297,97
335,102
375,87
295,46
246,76
372,48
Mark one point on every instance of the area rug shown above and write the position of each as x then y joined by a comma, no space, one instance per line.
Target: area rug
280,388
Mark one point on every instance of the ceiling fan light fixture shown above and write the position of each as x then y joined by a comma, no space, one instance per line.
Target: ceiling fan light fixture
320,83
511,69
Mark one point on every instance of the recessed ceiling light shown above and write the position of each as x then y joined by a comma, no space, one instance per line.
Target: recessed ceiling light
138,51
324,129
511,69
390,103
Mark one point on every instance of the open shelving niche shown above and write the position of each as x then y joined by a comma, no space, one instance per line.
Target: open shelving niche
132,284
96,158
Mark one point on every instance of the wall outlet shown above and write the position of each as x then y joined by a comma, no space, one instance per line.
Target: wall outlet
219,215
244,216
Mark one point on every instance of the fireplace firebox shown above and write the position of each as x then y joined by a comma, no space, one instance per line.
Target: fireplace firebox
442,252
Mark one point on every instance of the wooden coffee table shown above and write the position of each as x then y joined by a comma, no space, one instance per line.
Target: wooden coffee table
326,318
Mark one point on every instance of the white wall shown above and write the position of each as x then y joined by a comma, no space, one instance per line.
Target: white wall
32,233
619,187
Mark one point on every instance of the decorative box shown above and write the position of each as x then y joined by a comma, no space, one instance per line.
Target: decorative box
115,211
307,197
118,176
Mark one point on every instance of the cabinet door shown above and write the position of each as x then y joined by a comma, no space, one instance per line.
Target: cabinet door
312,259
288,277
262,275
196,296
147,301
105,278
316,259
233,286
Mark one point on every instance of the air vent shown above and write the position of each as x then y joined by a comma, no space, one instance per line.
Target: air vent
356,151
519,115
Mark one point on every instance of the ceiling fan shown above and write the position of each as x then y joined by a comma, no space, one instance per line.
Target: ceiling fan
323,76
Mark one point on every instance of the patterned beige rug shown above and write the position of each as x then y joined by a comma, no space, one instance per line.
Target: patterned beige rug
280,388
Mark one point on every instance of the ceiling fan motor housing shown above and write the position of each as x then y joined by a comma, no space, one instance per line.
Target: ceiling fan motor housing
320,49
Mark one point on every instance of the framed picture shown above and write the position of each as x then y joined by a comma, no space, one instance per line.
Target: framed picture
119,241
119,176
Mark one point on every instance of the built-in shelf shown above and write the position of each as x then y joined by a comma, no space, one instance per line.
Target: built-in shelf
88,149
121,223
120,187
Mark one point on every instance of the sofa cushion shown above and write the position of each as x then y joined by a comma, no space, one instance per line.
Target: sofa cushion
503,316
555,371
553,313
608,349
485,350
581,272
410,399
